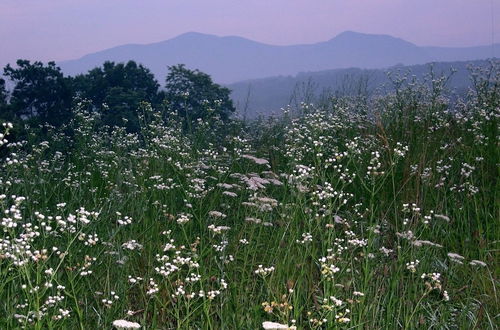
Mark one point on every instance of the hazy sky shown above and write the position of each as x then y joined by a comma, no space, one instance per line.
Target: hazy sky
67,29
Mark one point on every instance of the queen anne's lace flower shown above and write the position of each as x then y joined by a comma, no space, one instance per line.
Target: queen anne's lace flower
273,325
124,324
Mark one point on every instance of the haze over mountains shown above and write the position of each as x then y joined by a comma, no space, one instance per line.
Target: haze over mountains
232,59
266,96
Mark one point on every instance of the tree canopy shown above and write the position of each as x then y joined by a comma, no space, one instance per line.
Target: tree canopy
193,95
40,91
3,93
121,87
130,77
42,94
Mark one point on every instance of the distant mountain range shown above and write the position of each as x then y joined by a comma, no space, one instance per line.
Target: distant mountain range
268,95
232,59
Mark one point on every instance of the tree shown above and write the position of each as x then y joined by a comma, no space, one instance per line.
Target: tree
3,93
4,111
40,92
122,109
130,77
121,87
193,95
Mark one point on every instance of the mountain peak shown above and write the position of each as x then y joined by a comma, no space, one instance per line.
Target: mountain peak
232,58
350,33
352,37
194,35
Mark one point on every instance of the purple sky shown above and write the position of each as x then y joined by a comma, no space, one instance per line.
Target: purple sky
67,29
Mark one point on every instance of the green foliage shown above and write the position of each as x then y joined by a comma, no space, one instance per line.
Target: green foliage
486,84
5,110
383,217
3,93
41,92
193,95
116,90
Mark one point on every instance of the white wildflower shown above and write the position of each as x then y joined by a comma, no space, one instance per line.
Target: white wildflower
273,325
258,161
477,263
412,265
456,257
124,324
264,271
132,245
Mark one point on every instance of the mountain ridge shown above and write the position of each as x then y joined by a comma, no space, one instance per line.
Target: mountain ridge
265,96
229,59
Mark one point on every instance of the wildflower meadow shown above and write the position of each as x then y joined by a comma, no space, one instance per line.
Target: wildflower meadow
356,213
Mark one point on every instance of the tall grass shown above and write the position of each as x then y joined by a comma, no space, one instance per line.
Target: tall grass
343,217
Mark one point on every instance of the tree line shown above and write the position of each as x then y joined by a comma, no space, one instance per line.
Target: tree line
42,94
